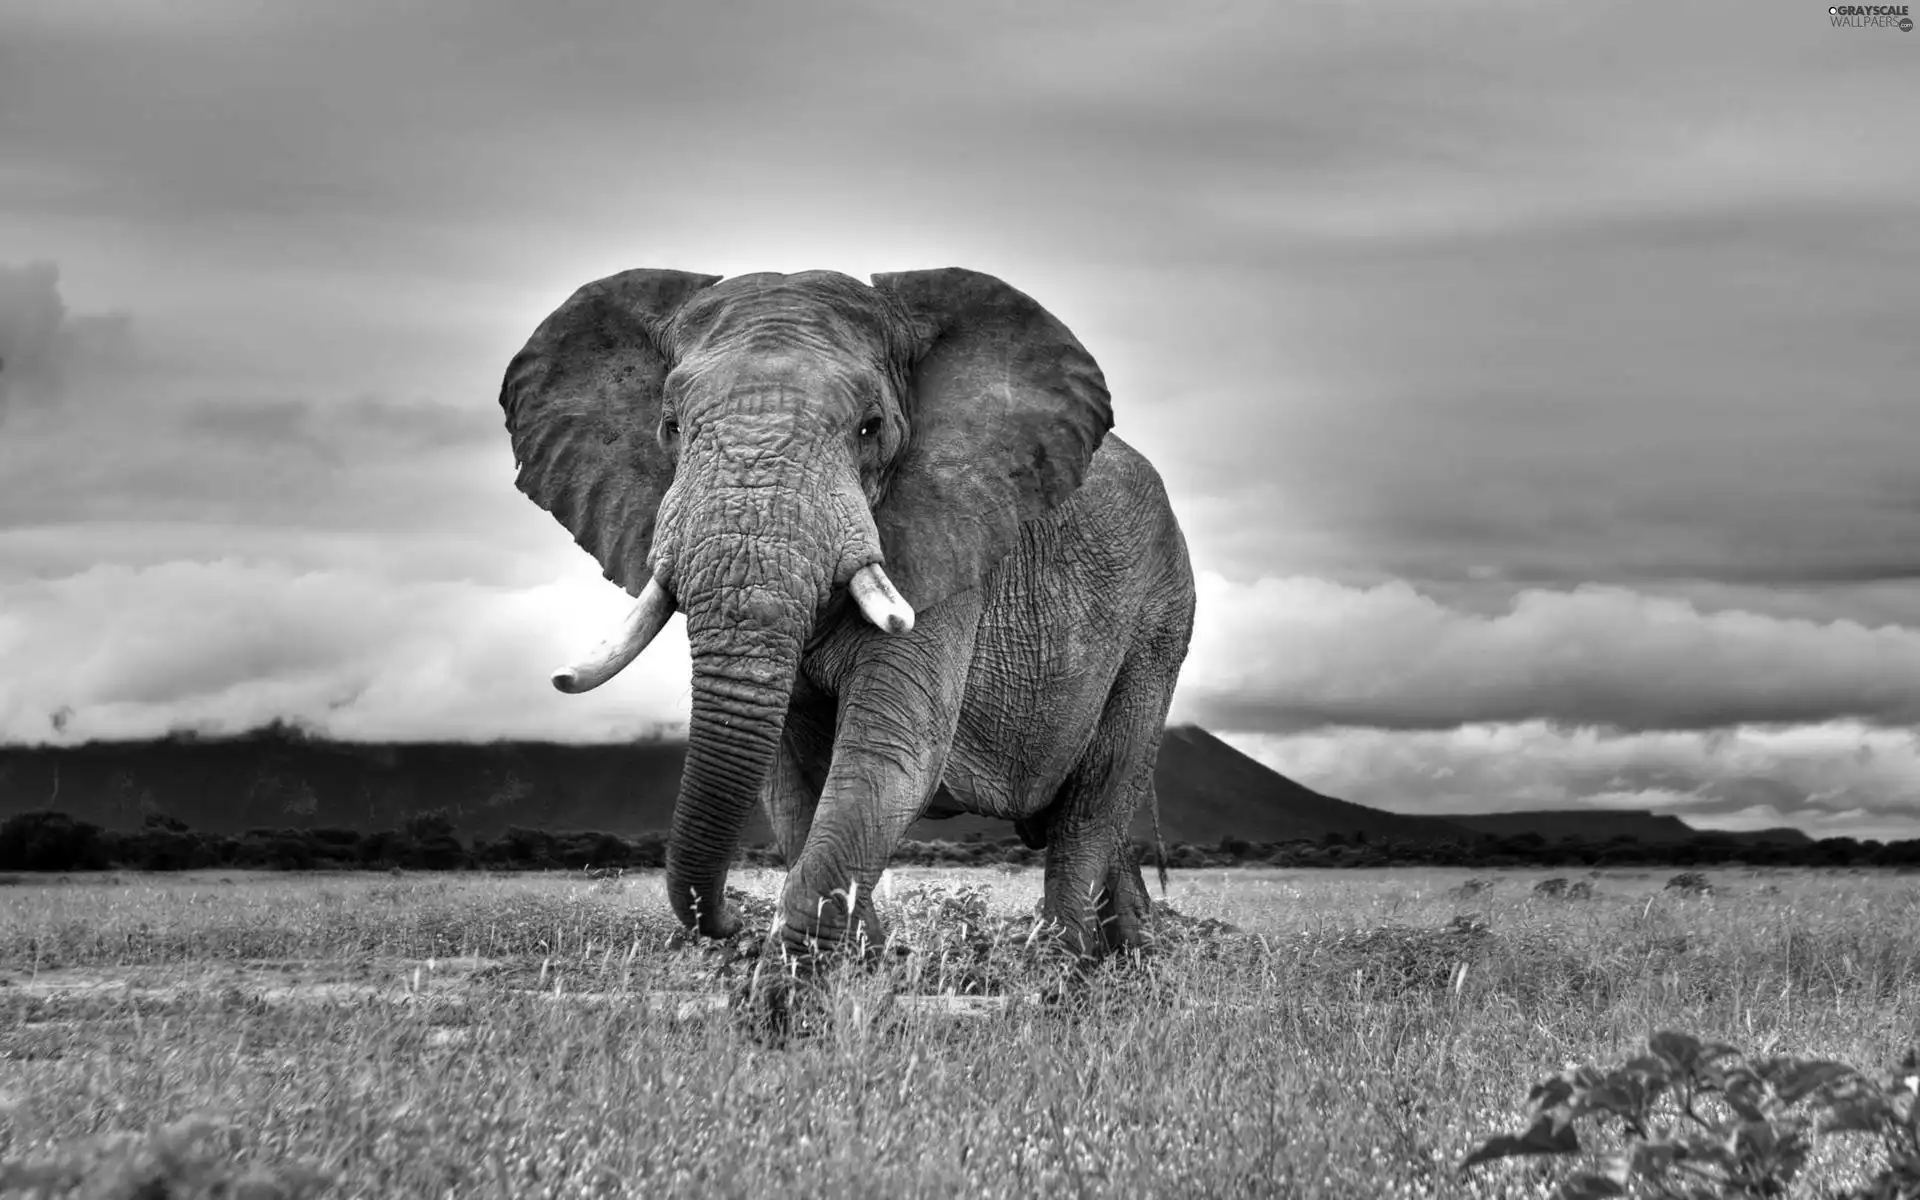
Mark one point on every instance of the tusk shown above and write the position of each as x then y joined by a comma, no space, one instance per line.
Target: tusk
878,600
611,657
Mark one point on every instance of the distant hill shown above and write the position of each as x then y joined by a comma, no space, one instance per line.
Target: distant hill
1601,825
280,776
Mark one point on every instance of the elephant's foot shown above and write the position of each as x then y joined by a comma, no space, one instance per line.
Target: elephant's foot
786,994
822,927
722,925
1106,915
780,1000
1125,908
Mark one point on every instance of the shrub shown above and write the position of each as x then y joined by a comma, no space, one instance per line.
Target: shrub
1690,883
280,849
648,850
590,848
518,847
387,849
159,848
438,853
51,841
1560,888
1701,1120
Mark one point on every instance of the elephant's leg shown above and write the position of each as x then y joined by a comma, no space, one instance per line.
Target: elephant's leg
1084,843
1127,906
791,793
1094,888
899,705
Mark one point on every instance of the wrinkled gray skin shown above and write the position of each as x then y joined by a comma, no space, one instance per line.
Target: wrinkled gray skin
752,444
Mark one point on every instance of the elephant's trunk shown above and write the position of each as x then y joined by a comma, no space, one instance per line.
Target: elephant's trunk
746,633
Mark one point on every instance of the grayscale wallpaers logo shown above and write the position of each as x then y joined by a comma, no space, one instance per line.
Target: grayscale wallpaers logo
1871,16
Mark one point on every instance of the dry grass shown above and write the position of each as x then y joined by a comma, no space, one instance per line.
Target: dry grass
538,1035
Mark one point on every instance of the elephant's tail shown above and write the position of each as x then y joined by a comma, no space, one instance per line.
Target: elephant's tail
1159,846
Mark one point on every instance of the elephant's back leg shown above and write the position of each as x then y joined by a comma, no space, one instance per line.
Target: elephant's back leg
1093,886
791,792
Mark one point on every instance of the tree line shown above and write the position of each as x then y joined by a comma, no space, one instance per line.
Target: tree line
52,841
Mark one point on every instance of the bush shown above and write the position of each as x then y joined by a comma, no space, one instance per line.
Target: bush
1690,883
648,850
518,848
589,848
281,850
1701,1120
387,848
440,853
159,848
51,841
1559,888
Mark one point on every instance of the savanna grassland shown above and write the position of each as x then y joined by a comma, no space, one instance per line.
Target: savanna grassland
1356,1034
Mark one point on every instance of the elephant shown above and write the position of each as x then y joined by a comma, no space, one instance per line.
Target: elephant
919,574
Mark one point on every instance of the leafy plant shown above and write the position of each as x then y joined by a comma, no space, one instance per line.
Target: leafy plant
1701,1120
1560,888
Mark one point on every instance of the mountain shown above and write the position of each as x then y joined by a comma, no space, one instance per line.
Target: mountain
282,776
1602,825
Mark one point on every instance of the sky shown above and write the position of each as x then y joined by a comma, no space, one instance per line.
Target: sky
1537,383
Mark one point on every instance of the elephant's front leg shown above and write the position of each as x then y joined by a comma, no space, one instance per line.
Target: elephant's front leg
900,698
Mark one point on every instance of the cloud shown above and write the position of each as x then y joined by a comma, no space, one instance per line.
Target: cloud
223,646
121,452
1297,653
1375,311
1657,400
187,547
30,317
41,343
1834,779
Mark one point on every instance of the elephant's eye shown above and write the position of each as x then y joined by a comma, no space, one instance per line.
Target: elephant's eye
669,429
869,427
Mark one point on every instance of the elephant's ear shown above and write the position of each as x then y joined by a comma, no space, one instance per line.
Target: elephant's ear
582,401
1005,409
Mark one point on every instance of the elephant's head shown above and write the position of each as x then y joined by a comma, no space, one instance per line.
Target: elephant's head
751,451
